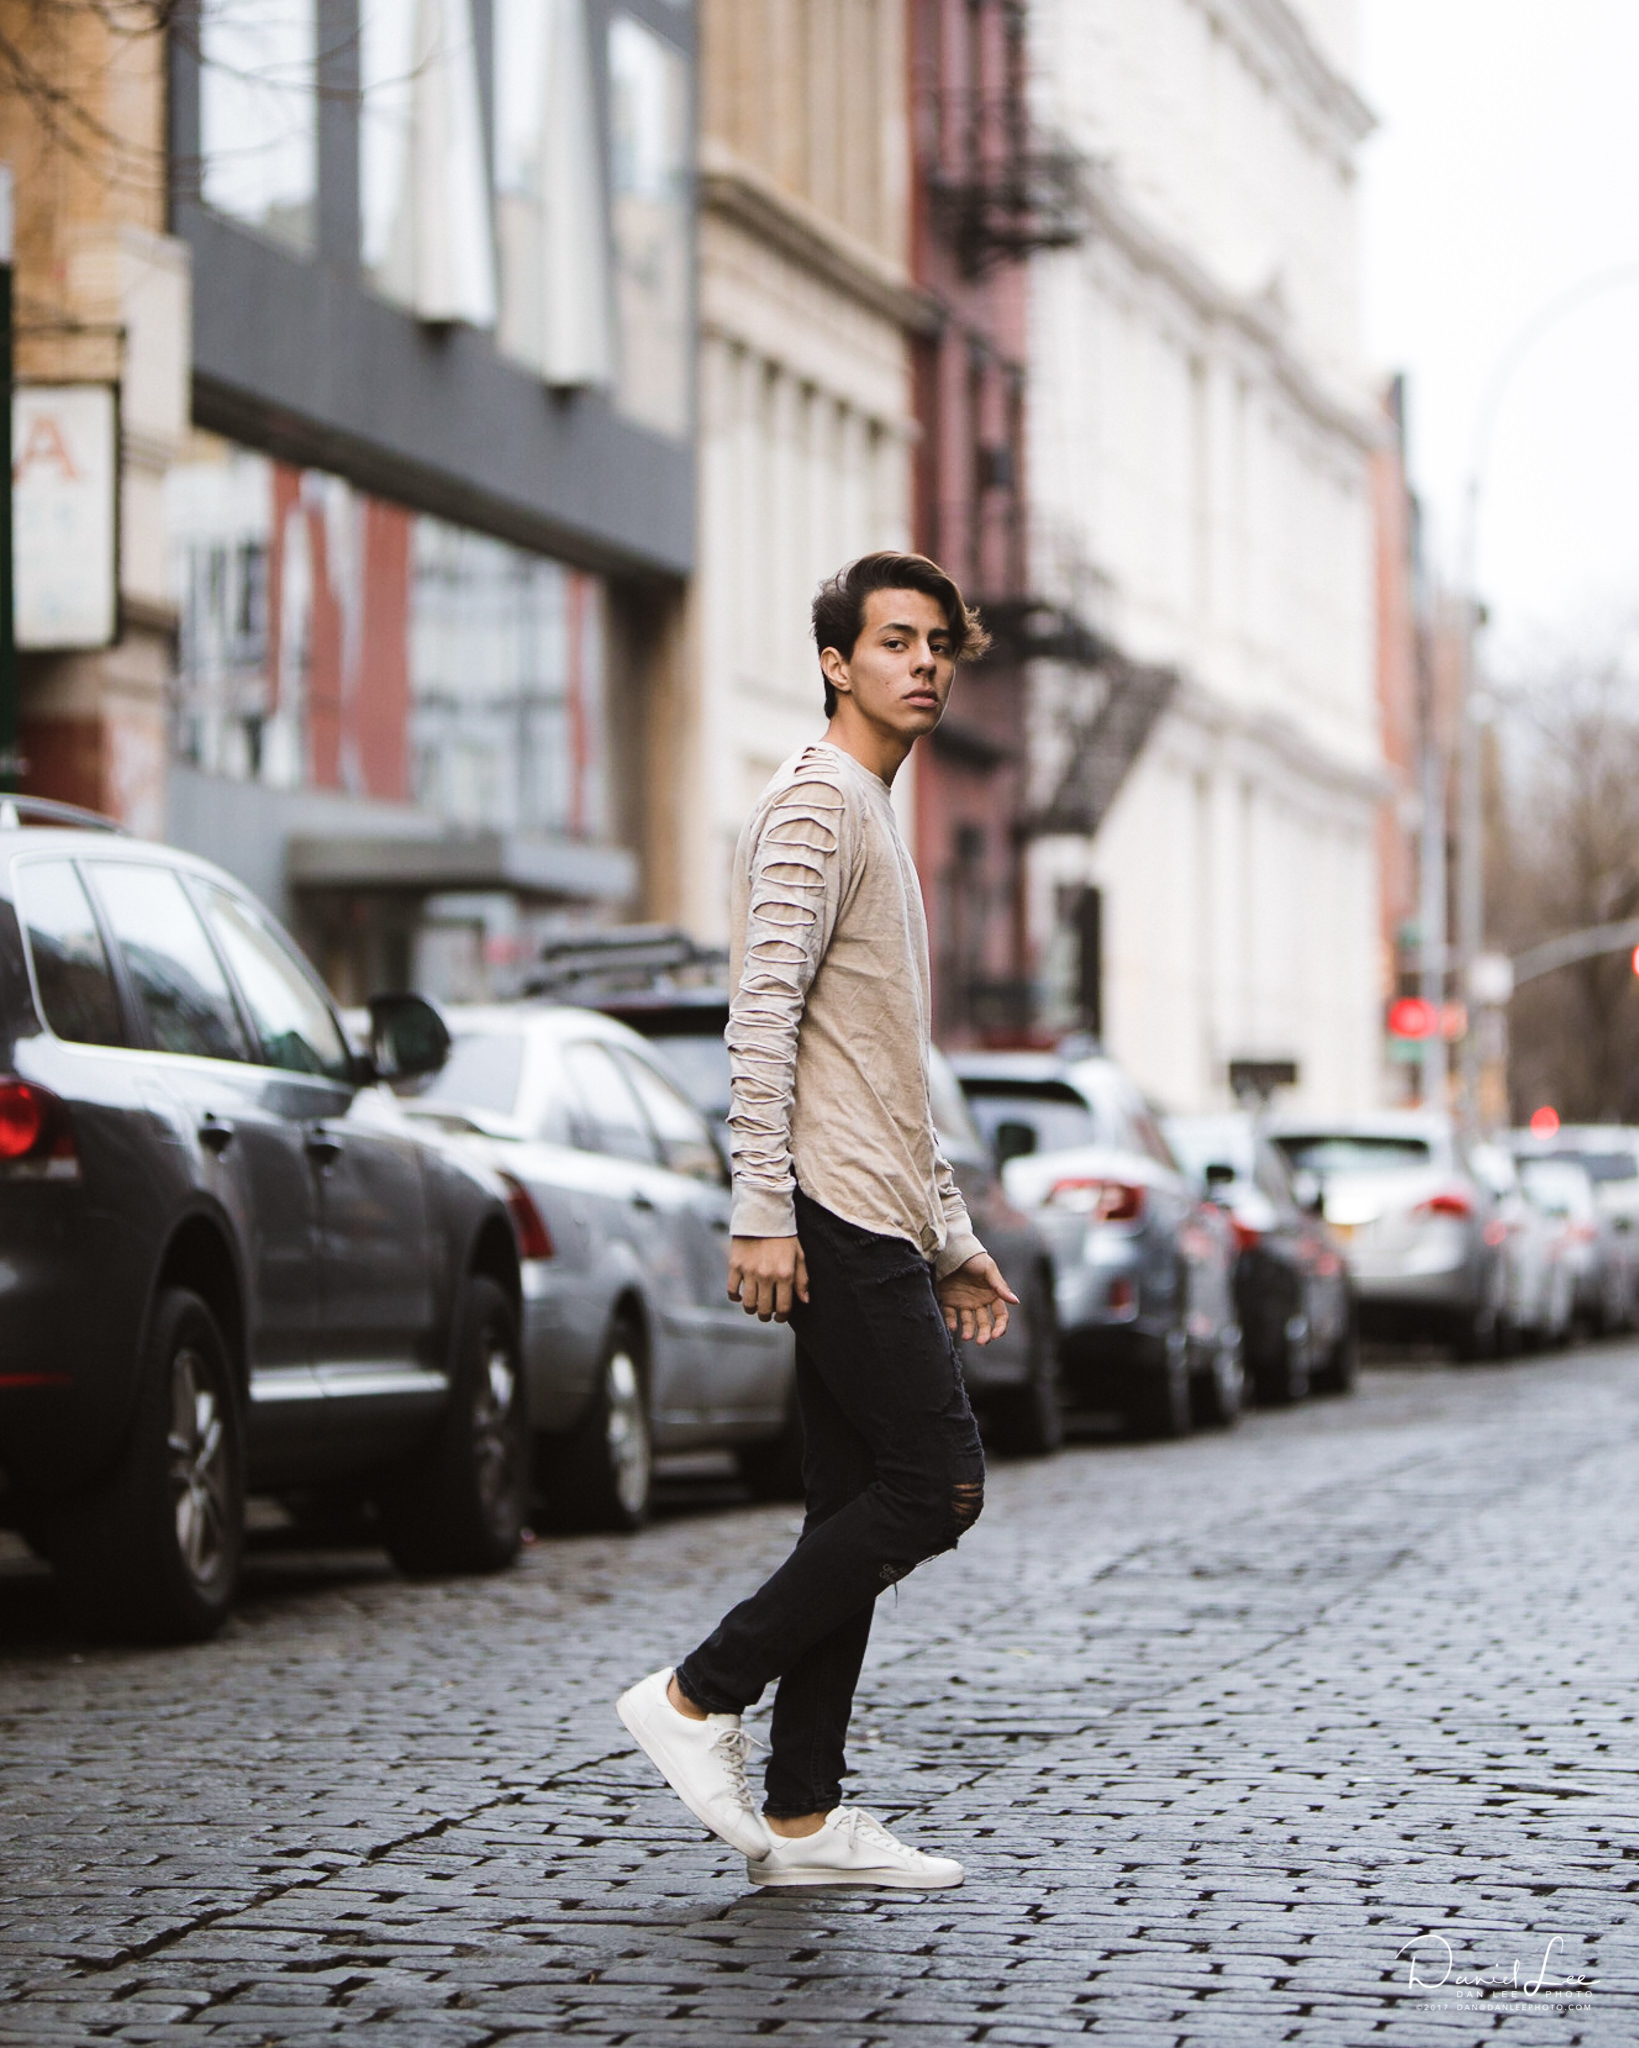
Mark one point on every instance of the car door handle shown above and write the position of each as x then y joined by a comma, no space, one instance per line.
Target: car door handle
323,1146
215,1133
720,1223
642,1201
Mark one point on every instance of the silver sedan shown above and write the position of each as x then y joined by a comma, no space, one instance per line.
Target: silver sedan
620,1198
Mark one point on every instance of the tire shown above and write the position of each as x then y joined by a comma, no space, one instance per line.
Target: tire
1342,1368
1028,1421
772,1467
1288,1378
601,1476
154,1555
1220,1392
459,1503
1473,1334
1158,1403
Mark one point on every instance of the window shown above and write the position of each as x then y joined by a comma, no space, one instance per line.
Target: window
1354,1153
293,1021
610,1120
1057,1120
423,182
183,993
679,1128
71,971
951,1116
258,132
551,234
649,128
482,1072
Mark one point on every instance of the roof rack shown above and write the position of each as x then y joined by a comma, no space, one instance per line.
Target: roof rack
17,811
626,958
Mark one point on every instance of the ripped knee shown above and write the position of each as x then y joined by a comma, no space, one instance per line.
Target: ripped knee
967,1499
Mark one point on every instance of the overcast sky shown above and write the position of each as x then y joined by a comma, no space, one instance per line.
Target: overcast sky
1505,170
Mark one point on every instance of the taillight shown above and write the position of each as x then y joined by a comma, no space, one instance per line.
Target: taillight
534,1239
1247,1235
35,1134
1101,1201
1496,1231
1452,1203
24,1115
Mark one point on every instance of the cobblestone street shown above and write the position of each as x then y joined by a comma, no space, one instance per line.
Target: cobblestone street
1218,1728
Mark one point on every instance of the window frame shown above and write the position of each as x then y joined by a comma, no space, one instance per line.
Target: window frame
195,885
138,1036
124,996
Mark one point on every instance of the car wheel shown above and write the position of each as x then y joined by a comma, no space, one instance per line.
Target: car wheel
458,1504
1028,1421
1159,1402
772,1467
1342,1368
154,1554
1221,1389
1286,1378
601,1476
1473,1333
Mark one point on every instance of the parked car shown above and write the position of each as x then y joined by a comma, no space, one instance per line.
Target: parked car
1013,1382
1292,1290
1563,1189
1142,1267
228,1265
1414,1219
1538,1288
634,1348
1610,1153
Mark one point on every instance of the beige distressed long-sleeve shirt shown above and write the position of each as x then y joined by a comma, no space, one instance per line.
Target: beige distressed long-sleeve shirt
828,1025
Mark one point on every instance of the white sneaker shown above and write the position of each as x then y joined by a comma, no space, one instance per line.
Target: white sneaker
704,1762
852,1847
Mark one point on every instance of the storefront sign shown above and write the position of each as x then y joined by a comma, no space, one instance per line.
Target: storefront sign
65,494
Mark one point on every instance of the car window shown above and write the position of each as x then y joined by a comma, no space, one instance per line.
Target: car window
701,1064
71,971
1148,1133
609,1119
483,1071
181,989
1557,1187
1269,1174
1604,1166
951,1116
1056,1121
679,1128
1353,1152
295,1024
1198,1142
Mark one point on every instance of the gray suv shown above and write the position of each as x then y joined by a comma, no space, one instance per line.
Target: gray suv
226,1263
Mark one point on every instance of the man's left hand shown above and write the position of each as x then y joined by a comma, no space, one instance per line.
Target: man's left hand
975,1298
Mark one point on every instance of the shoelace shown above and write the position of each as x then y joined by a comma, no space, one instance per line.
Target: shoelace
734,1746
875,1833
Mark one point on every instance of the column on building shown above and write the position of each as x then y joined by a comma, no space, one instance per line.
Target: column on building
806,421
1199,456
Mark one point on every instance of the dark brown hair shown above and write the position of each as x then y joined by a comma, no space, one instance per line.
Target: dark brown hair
839,605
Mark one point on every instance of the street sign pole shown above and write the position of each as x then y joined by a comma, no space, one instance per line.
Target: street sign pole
10,765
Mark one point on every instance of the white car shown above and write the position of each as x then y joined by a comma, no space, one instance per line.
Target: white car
1538,1295
1418,1225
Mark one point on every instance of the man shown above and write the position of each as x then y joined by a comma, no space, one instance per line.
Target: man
847,1221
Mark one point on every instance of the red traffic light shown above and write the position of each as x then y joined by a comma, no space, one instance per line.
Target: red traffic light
1411,1017
1544,1122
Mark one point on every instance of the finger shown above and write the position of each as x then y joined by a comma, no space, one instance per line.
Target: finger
734,1277
765,1299
782,1299
999,1324
802,1276
1001,1286
950,1320
967,1324
983,1319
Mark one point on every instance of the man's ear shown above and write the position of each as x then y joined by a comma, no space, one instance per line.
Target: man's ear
835,670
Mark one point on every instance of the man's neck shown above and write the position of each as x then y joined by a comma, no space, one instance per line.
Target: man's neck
883,753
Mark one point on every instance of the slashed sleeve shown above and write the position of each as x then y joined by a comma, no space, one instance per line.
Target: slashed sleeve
797,877
961,1244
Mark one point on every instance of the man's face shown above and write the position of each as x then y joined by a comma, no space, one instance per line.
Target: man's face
900,672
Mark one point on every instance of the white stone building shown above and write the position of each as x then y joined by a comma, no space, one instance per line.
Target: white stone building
1200,433
805,393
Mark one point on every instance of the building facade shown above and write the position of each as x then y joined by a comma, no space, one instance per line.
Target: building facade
1199,458
806,405
411,544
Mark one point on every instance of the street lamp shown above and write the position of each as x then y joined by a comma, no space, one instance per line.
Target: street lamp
1471,824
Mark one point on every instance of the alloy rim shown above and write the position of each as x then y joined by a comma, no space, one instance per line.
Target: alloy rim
492,1418
626,1433
197,1461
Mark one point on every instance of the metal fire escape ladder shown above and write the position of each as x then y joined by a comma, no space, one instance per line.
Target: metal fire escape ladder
1104,731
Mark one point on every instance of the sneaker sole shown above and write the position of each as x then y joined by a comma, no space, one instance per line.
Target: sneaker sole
641,1739
887,1880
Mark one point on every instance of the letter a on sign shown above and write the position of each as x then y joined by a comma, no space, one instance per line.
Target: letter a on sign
65,494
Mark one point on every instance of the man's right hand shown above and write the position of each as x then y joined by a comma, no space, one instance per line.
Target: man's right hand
765,1274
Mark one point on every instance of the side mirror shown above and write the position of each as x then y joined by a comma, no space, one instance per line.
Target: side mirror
408,1038
1308,1191
1218,1175
1013,1141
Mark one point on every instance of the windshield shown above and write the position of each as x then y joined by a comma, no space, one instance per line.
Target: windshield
482,1072
701,1064
1055,1123
1354,1152
1603,1166
1200,1141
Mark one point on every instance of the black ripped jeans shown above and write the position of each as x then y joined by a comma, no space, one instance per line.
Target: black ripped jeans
893,1474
